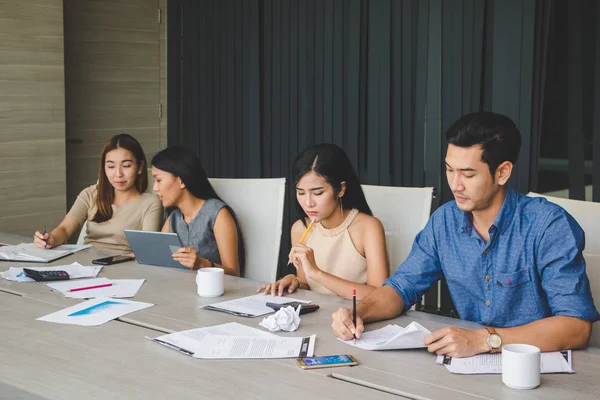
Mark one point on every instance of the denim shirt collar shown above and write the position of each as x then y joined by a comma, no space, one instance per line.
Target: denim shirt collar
503,218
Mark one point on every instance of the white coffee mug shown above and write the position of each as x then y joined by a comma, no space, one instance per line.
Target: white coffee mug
210,282
521,366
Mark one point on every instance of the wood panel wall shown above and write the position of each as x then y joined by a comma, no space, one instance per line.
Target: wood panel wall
112,81
32,115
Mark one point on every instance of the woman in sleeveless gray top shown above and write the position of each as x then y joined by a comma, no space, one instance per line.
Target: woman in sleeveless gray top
206,226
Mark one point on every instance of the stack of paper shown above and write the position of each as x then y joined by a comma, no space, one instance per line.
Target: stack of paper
233,340
29,252
553,362
74,270
250,306
392,337
87,288
95,312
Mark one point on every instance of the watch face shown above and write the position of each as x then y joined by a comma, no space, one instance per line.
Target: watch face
495,341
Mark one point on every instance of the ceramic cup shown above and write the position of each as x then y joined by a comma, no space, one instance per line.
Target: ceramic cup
521,366
210,282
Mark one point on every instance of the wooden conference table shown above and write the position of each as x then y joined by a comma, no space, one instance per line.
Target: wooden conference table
45,360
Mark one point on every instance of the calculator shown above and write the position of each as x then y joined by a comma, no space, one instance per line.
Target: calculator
305,309
46,275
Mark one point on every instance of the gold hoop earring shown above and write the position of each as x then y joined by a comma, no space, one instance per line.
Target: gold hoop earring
341,208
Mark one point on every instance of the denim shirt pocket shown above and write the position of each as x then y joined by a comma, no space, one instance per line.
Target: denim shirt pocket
518,297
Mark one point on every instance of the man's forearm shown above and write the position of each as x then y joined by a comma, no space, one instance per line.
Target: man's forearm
382,303
550,334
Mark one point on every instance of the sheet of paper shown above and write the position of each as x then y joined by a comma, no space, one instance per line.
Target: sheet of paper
121,288
29,252
250,306
219,346
73,248
74,270
190,341
95,312
553,362
392,337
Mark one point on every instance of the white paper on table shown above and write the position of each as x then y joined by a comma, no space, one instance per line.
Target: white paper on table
95,312
219,347
250,306
74,270
73,248
552,362
121,288
190,341
392,337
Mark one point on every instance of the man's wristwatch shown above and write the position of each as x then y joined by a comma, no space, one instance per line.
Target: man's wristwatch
493,340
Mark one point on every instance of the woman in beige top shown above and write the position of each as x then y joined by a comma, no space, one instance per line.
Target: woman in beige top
345,249
117,202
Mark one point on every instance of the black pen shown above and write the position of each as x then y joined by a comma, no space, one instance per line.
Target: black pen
354,312
43,233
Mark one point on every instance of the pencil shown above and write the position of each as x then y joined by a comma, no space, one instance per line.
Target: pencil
354,312
307,230
90,287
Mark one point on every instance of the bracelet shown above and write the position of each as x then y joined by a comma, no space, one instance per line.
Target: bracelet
299,283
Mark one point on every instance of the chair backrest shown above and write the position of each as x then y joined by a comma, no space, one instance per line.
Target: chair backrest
586,213
592,267
403,211
258,204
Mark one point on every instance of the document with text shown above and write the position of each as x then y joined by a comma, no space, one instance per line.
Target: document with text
250,306
392,337
234,340
190,341
28,252
552,362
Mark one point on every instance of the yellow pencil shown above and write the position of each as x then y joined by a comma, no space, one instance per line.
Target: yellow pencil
307,230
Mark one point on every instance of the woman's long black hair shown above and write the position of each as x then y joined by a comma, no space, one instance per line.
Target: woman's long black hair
330,162
181,162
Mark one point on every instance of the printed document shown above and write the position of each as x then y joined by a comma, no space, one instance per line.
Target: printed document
189,342
120,288
95,312
553,362
250,306
392,337
74,270
235,340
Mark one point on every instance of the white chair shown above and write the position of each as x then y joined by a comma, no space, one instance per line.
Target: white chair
403,211
587,214
258,204
592,267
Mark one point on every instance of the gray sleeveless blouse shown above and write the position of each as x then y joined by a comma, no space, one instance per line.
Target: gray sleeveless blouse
199,232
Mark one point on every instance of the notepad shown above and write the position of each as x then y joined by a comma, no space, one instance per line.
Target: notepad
28,252
392,337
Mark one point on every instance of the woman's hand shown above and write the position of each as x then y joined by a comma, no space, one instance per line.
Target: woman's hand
304,257
43,240
276,288
188,257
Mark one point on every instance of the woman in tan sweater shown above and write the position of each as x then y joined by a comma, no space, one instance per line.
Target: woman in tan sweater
117,202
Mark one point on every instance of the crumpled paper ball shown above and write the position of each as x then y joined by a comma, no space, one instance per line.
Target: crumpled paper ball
285,319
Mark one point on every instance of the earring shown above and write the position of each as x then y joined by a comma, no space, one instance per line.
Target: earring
341,207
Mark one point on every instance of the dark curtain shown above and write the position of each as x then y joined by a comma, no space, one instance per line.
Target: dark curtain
251,83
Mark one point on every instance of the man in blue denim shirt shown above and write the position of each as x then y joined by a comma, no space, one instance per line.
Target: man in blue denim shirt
511,261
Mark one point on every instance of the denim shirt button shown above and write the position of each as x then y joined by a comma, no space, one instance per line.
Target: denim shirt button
488,303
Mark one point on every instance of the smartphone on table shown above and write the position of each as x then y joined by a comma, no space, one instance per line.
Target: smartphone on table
112,260
326,361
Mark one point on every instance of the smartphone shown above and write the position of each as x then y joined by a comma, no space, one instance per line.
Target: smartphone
326,361
112,260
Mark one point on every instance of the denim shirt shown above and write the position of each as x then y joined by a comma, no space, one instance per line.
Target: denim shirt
532,266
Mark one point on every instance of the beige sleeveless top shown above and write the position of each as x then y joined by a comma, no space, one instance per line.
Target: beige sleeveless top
335,254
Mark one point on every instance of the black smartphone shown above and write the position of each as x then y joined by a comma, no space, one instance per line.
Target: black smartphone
112,260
